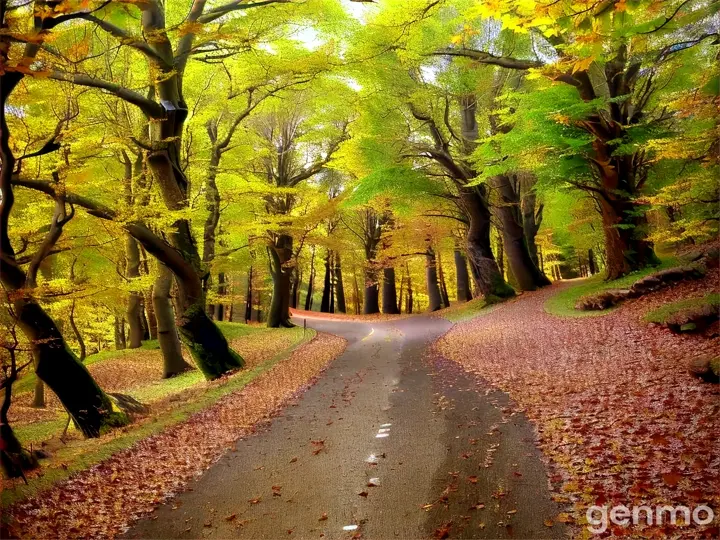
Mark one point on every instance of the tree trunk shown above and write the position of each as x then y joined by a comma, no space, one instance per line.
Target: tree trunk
524,269
409,305
531,219
484,268
219,308
626,248
173,361
592,265
371,305
311,283
205,342
280,255
356,290
76,332
431,279
339,287
443,286
134,306
39,395
295,288
119,333
327,286
249,296
400,295
462,277
152,321
389,293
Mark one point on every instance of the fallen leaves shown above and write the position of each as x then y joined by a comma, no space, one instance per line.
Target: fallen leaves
363,494
157,466
610,398
323,517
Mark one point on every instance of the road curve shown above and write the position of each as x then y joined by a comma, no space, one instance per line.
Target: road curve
390,443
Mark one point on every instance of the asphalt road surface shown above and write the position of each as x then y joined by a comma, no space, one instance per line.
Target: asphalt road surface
390,443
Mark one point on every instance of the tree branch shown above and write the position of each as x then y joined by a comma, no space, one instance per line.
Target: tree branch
487,58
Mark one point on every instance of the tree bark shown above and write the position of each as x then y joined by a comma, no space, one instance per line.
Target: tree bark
592,265
528,277
389,293
219,307
409,304
339,287
134,306
626,248
327,286
249,296
371,303
280,255
484,268
173,361
431,280
152,321
462,277
531,219
206,344
443,286
294,297
356,291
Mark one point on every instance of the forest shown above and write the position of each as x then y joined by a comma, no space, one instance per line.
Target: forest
186,185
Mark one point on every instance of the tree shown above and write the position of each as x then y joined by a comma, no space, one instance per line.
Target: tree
618,79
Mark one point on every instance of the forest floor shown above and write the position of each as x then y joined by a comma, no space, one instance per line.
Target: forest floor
138,373
181,406
619,419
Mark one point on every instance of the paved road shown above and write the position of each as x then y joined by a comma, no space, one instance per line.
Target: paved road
390,443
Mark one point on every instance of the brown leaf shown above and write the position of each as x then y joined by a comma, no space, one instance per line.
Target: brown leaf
231,517
323,517
473,479
672,478
443,531
256,500
363,493
548,522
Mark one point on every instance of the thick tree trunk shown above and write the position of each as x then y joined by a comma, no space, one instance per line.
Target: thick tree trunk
39,395
339,287
327,286
531,217
431,279
173,361
371,303
205,342
462,277
280,255
389,293
524,269
443,286
119,333
134,305
626,248
484,268
592,265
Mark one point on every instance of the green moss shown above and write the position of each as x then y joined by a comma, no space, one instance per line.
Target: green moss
563,302
663,313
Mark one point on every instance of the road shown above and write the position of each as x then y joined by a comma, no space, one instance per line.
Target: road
391,442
